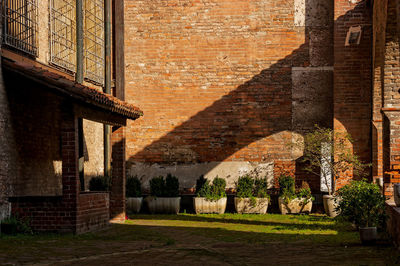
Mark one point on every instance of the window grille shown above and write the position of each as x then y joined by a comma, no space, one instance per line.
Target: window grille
63,34
20,25
94,40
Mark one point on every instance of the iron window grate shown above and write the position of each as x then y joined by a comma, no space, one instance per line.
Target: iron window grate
94,40
63,34
20,25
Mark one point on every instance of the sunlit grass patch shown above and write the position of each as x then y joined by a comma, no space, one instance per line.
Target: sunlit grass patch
256,228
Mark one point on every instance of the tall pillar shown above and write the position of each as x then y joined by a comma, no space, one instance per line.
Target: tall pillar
117,196
70,172
352,78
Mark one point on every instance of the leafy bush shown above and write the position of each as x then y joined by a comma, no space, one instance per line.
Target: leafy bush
157,186
260,188
362,204
245,186
16,225
160,187
288,189
171,186
133,187
100,183
252,187
249,186
212,192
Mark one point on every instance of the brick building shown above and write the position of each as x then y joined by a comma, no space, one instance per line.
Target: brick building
225,85
57,67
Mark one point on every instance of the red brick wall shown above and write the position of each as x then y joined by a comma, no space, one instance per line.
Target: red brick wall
93,212
214,79
352,78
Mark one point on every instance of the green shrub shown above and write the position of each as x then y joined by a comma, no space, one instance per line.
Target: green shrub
212,192
286,185
100,183
16,225
362,204
288,189
245,186
200,183
157,186
133,187
160,187
171,186
260,188
249,186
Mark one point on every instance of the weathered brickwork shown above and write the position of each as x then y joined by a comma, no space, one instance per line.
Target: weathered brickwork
222,82
352,78
386,97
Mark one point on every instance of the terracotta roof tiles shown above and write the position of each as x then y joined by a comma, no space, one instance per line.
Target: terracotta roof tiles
73,89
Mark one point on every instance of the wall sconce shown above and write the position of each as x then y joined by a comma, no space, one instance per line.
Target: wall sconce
353,36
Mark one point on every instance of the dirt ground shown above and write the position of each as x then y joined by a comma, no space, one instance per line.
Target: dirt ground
202,240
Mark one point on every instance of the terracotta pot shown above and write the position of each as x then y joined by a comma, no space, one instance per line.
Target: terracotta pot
368,235
163,205
203,205
133,205
244,205
330,205
296,205
396,193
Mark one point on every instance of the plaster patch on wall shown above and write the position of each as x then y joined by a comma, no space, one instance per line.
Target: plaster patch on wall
299,13
188,173
314,13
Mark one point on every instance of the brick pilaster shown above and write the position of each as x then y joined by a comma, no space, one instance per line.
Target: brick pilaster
117,196
70,175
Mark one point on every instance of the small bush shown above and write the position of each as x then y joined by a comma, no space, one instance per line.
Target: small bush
200,183
288,190
160,187
260,188
252,187
362,204
212,192
171,186
157,186
286,185
100,183
133,187
245,186
15,225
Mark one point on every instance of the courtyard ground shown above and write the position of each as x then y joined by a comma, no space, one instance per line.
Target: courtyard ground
185,239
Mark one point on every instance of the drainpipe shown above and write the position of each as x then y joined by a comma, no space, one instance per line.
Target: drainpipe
107,82
79,79
79,41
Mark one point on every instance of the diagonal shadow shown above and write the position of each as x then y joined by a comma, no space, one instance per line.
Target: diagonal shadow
259,109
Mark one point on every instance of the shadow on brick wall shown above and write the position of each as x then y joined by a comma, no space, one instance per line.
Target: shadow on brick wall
260,108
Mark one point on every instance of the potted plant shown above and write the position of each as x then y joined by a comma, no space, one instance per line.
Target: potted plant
164,195
100,183
14,225
327,154
363,205
210,198
251,195
133,194
292,201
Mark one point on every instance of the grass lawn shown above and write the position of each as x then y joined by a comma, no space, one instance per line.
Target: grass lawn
183,239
